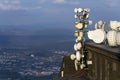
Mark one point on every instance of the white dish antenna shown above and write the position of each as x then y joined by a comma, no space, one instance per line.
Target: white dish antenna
90,34
75,10
76,33
79,38
115,25
72,56
75,16
87,15
78,25
87,10
80,9
82,66
98,36
81,34
111,37
78,55
100,25
90,22
77,46
118,38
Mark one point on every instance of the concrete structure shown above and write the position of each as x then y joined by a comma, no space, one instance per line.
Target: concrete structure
105,64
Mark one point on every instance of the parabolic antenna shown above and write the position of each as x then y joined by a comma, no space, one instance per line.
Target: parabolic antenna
90,22
72,56
78,55
115,25
90,34
100,25
77,46
87,15
79,25
119,28
87,10
76,33
81,33
79,38
80,9
111,37
98,35
118,38
82,66
76,16
75,10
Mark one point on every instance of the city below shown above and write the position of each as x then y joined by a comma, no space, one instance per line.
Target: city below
16,63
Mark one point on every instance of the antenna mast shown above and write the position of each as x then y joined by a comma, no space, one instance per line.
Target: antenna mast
82,22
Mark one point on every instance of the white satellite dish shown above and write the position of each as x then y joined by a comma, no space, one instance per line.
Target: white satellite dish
79,38
75,10
78,55
76,65
80,9
90,34
98,35
81,33
82,66
115,25
76,40
76,16
90,22
72,56
111,37
75,47
87,15
118,38
76,33
79,25
87,10
79,46
86,25
100,25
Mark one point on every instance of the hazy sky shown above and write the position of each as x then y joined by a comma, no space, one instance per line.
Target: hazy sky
55,12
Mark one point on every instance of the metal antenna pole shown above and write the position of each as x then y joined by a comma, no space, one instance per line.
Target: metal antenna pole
82,22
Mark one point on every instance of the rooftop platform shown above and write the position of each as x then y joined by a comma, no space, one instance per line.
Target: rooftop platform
105,64
105,61
113,52
104,47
